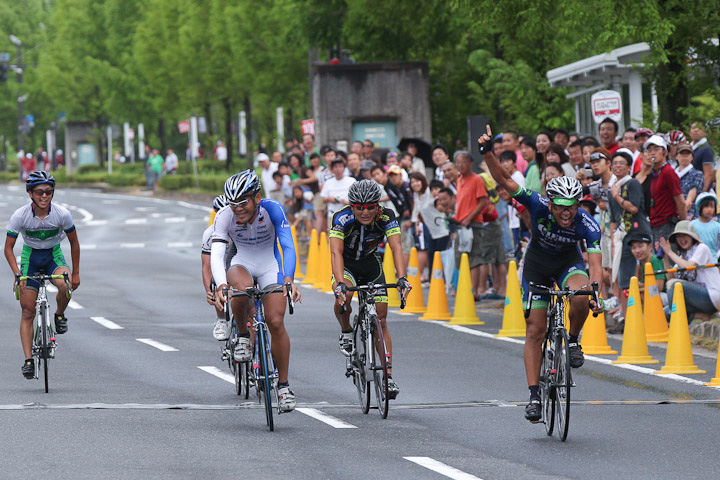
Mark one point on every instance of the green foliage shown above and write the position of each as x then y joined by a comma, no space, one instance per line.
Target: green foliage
703,108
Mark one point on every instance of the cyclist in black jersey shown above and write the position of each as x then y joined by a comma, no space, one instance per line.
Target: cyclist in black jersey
355,233
553,256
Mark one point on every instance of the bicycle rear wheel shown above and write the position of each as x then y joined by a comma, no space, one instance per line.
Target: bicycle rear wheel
379,367
245,378
563,383
265,377
45,339
359,364
546,389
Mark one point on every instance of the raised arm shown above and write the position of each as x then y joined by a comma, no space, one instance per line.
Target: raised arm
501,176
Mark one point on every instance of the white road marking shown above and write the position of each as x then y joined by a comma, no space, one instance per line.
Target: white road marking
179,244
136,221
325,418
74,305
3,204
158,345
175,220
107,323
110,202
144,209
51,288
132,245
441,468
96,223
219,374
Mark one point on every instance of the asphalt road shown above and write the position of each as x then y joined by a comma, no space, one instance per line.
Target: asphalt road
122,408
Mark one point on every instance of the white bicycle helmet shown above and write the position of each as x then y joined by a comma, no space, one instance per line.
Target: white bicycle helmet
240,185
219,202
564,190
364,192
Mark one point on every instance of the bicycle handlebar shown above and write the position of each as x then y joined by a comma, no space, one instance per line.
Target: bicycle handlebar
373,286
561,293
40,278
258,293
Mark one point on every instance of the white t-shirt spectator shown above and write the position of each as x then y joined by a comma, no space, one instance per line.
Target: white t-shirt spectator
334,188
513,219
432,218
707,277
268,183
171,162
221,153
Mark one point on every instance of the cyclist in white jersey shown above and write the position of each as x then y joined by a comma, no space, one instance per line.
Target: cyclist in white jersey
258,228
43,226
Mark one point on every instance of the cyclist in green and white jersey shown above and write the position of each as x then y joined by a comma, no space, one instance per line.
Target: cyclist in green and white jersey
43,226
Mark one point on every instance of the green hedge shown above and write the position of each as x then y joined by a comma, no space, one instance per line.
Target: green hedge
211,183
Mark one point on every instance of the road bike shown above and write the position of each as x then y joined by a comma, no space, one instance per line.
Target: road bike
44,343
263,372
555,372
239,370
368,361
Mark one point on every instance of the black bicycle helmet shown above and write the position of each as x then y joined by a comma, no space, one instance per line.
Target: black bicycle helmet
364,192
38,177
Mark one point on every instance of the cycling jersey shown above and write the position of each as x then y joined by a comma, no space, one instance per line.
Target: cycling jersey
548,236
41,233
360,241
258,244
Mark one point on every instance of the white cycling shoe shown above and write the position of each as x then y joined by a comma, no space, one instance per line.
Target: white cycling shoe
221,331
242,350
286,399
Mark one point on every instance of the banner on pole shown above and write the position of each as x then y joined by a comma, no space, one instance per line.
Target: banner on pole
308,127
184,126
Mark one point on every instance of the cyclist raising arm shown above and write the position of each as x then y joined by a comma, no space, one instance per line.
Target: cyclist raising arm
43,226
553,256
256,226
355,232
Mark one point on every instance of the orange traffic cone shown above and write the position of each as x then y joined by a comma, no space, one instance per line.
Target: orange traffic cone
656,327
323,281
513,316
679,358
415,302
389,271
715,382
465,313
298,272
312,259
212,218
634,347
594,337
437,307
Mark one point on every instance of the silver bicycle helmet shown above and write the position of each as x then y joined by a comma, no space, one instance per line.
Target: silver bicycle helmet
38,177
219,202
240,185
564,190
363,192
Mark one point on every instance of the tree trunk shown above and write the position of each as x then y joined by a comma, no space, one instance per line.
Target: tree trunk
248,134
228,105
672,86
100,138
161,135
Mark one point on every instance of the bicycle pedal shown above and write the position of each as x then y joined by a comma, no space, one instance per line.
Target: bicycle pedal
553,371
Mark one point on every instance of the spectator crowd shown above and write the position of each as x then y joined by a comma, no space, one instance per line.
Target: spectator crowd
653,194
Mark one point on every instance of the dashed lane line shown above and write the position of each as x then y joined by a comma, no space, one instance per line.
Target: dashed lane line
136,221
160,346
179,244
324,417
132,245
218,373
441,468
107,323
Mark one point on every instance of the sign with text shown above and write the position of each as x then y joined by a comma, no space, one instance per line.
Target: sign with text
606,104
184,126
308,127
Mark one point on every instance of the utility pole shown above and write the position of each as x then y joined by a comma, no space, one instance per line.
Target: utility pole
21,99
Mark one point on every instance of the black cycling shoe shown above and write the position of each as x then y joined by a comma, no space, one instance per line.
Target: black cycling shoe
533,411
61,325
576,355
28,368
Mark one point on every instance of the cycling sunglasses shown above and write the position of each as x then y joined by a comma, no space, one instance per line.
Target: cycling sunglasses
369,207
241,203
40,192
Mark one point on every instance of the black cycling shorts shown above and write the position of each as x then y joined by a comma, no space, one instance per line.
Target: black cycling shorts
546,270
364,271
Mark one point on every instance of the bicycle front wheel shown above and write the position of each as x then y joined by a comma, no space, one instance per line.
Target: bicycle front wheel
379,367
265,377
547,378
45,345
563,383
359,364
244,369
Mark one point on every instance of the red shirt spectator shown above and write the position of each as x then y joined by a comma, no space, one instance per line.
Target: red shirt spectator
665,185
470,191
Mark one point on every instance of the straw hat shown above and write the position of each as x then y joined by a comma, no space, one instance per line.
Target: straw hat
684,226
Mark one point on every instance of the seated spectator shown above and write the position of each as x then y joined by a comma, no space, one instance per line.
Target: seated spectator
705,225
691,179
701,287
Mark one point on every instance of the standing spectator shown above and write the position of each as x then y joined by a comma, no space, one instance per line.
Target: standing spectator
171,162
509,164
308,144
357,148
59,158
691,180
368,147
704,156
561,137
701,287
536,164
221,151
439,157
674,138
498,146
705,225
381,178
450,175
28,164
641,136
354,163
600,164
118,157
668,204
431,232
155,165
366,167
575,156
511,142
418,165
608,132
628,141
589,144
645,178
556,153
335,189
399,192
543,140
301,209
266,176
392,159
475,211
